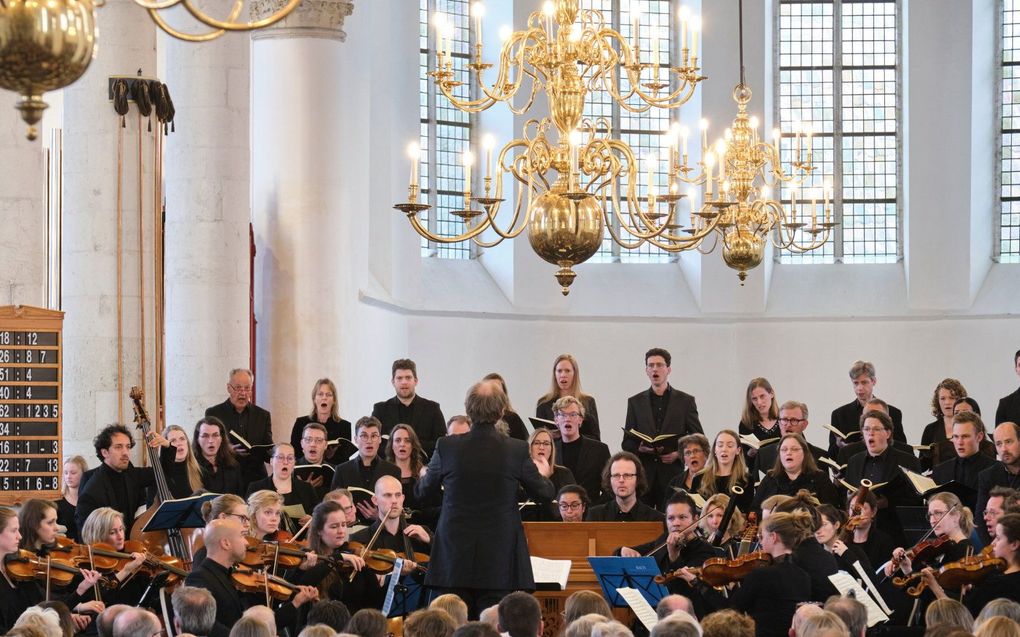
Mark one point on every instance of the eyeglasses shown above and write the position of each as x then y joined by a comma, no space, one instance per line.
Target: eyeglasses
241,389
873,430
541,443
792,421
694,452
367,437
285,458
571,506
314,440
570,415
243,518
622,476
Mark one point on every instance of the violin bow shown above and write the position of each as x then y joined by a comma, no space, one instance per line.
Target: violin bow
684,530
369,545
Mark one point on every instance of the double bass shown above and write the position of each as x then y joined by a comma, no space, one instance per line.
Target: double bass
175,542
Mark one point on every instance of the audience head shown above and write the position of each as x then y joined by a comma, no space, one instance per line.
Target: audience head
263,614
679,623
240,383
367,622
404,378
331,612
490,616
430,622
485,404
670,603
1001,607
63,613
476,629
582,626
104,622
250,626
520,615
611,628
44,620
624,476
457,425
853,613
727,623
572,502
998,627
950,612
585,603
194,610
823,624
862,374
454,606
137,622
800,616
317,630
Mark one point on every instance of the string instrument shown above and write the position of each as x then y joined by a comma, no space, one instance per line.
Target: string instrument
284,554
25,566
67,550
856,511
720,571
153,564
249,580
172,541
381,560
683,531
926,549
749,534
731,506
955,575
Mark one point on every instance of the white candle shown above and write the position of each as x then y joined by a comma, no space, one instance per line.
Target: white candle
636,25
685,16
414,154
695,30
684,131
720,151
488,143
692,196
814,202
809,132
709,161
650,160
468,160
549,9
478,9
575,143
703,124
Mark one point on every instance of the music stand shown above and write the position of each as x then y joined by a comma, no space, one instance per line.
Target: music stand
631,572
185,513
403,593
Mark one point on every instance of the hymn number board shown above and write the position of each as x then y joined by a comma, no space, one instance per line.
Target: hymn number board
31,380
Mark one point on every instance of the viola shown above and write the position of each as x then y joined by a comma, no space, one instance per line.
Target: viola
719,571
26,565
382,560
248,580
856,511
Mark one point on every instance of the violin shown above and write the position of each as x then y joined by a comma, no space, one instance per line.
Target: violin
856,511
924,551
153,564
381,560
286,555
65,549
720,571
25,566
954,575
248,580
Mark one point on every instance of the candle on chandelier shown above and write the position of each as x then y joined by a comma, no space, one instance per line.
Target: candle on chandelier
810,130
468,159
636,26
650,160
793,203
414,154
478,11
488,143
549,10
720,150
692,196
709,162
685,17
695,30
828,208
684,132
654,36
796,142
439,20
703,125
575,143
814,202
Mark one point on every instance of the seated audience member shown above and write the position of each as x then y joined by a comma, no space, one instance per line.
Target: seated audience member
938,434
678,624
948,612
66,621
424,415
317,630
263,614
585,603
490,616
801,615
881,463
44,620
582,626
998,627
727,623
726,469
572,503
367,622
585,457
453,605
1009,406
1003,473
823,624
848,417
795,469
476,629
520,615
136,622
566,381
1000,607
430,622
671,603
793,419
610,628
853,613
624,477
967,461
194,610
105,619
250,627
458,425
367,467
695,450
331,612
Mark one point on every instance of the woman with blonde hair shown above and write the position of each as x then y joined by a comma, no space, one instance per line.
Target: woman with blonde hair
281,480
106,525
726,469
74,468
326,411
713,511
998,627
948,612
949,519
566,381
265,510
183,475
939,433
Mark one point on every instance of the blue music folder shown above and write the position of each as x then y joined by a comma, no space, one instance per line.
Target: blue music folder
631,572
185,513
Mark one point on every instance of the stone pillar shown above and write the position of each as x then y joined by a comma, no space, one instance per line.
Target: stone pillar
207,185
22,206
92,397
296,195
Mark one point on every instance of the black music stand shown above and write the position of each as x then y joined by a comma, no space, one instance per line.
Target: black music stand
631,572
403,593
185,513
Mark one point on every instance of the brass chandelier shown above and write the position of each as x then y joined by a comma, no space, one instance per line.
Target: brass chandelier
46,45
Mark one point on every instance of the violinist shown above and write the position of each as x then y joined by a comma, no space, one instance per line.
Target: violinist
710,521
395,535
725,469
327,535
38,524
326,413
221,472
874,542
107,526
795,469
830,534
16,596
183,475
281,480
951,525
224,507
770,595
74,468
265,509
679,546
116,483
226,547
809,554
1005,546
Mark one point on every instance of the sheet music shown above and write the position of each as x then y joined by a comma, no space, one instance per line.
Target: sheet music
551,571
870,585
398,567
849,587
642,609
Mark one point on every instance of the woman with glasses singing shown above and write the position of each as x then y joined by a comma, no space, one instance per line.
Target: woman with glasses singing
281,480
543,453
795,469
221,472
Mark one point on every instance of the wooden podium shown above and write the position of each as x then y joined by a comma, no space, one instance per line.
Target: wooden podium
577,541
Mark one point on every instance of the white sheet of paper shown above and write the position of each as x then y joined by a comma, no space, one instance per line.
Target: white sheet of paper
847,585
642,609
551,571
870,585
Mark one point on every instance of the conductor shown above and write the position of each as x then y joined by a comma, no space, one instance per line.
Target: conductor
479,551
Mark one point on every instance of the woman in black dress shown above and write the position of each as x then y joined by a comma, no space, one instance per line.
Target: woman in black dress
74,468
829,534
939,433
281,480
566,381
326,412
761,414
795,469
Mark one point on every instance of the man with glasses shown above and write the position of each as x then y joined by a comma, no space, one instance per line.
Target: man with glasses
584,456
310,468
116,483
407,407
572,502
1004,473
625,478
657,411
880,462
361,473
344,498
241,416
793,419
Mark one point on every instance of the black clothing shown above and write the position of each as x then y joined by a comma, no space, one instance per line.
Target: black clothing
848,418
300,493
122,491
176,475
515,426
744,502
878,547
761,433
230,603
65,518
256,426
819,564
14,600
480,543
222,478
610,512
590,424
678,416
992,587
852,449
678,482
363,592
693,554
592,456
393,542
817,483
942,448
769,595
964,471
854,553
994,476
1008,409
424,416
897,493
765,459
334,429
354,473
547,511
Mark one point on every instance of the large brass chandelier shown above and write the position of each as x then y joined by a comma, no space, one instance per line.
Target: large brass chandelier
46,45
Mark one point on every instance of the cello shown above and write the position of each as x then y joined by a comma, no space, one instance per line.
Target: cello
172,541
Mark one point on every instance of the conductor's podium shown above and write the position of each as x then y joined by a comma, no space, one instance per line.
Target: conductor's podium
577,541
